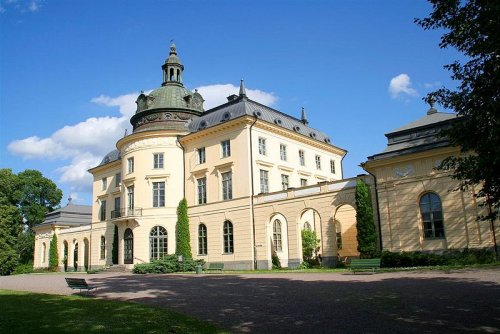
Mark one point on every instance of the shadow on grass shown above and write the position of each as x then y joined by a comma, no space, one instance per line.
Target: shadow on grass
285,305
23,312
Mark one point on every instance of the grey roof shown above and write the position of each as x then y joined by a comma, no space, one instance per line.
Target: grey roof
110,157
242,106
420,135
70,215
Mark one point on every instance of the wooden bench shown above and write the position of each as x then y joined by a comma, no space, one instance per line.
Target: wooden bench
218,266
361,264
79,284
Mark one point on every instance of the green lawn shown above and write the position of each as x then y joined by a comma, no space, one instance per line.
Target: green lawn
25,312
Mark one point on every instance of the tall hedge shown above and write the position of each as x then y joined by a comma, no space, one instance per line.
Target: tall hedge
114,250
53,254
367,234
183,245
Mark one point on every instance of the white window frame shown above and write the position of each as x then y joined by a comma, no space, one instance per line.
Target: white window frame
130,165
285,181
225,148
262,146
227,185
283,155
201,190
201,155
158,160
264,181
318,162
302,159
158,191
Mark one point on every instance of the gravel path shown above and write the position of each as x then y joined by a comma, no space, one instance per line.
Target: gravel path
465,301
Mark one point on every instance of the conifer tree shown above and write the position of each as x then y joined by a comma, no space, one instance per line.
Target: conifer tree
53,254
114,250
183,246
367,235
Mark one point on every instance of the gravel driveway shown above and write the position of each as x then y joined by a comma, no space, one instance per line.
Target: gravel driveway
465,301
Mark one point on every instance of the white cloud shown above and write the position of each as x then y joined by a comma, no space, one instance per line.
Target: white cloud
125,103
401,84
217,94
34,6
76,173
39,148
432,84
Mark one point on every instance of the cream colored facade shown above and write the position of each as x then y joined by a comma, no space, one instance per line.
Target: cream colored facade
254,178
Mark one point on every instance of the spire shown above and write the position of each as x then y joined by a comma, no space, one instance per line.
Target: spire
69,200
243,92
173,49
431,101
303,117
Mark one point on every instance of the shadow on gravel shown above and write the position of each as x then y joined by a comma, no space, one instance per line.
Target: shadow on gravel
282,305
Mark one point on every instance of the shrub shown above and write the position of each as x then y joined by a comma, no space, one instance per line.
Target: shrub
183,246
276,261
25,268
169,264
310,244
53,254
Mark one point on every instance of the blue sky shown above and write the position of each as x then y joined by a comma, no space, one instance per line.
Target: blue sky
70,71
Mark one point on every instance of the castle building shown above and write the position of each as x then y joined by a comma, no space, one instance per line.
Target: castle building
254,178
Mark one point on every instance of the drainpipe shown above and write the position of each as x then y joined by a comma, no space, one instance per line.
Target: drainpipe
252,197
341,168
378,207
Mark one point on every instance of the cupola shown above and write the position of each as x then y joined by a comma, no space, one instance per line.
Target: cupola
172,69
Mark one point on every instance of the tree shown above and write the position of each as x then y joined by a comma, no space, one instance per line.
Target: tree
472,28
310,245
367,234
53,254
183,246
10,227
114,250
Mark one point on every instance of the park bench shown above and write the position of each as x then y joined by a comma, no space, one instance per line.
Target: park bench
79,284
362,264
217,266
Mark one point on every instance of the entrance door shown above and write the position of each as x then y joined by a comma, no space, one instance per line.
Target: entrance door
128,247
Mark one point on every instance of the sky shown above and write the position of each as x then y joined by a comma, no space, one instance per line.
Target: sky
70,71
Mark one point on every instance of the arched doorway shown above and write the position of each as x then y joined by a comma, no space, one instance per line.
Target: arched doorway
86,254
310,220
345,231
128,247
75,257
65,255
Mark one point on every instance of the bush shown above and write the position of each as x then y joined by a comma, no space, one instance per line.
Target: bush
276,261
169,264
53,254
26,268
450,257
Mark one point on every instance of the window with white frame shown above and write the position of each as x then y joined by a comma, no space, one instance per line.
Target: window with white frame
332,166
104,183
202,190
228,237
158,194
432,216
201,155
302,159
158,160
277,243
158,243
264,181
262,146
118,179
225,148
318,162
103,211
202,240
283,152
103,247
130,165
303,182
130,197
227,185
284,181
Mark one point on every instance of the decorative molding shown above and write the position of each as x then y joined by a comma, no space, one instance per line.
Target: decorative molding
285,168
264,163
149,143
403,171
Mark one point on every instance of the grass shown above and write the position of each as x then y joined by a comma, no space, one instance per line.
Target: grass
26,312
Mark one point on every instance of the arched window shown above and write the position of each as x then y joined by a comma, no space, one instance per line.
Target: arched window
158,243
228,237
307,226
202,240
277,235
432,216
103,247
128,246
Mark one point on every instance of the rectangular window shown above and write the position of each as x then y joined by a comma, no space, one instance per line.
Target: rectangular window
226,148
283,152
302,160
262,146
103,211
104,183
332,166
264,181
227,185
158,194
158,160
303,182
130,197
130,165
103,247
284,181
116,212
202,190
318,162
201,155
118,179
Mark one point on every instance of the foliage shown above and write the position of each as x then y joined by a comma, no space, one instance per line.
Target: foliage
25,246
472,28
53,254
76,314
25,268
10,227
276,261
168,264
450,257
114,250
183,246
310,245
367,234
